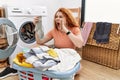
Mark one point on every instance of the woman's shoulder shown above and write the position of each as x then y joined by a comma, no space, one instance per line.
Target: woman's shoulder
52,30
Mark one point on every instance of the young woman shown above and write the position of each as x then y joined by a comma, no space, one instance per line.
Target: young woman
66,31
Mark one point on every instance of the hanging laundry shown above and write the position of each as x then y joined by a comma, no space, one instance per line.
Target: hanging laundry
85,31
102,32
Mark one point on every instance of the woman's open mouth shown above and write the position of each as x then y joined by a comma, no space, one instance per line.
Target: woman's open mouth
58,24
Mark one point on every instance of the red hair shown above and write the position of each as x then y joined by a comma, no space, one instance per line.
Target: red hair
70,19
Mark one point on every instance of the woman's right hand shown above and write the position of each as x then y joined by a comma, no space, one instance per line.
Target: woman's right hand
36,20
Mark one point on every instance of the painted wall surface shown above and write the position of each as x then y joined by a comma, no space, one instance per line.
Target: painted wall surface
71,3
52,6
102,10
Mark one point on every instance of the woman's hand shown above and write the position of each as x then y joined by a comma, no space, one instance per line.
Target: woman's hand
64,27
36,20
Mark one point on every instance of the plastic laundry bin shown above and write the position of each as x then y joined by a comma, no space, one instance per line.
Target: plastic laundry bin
35,74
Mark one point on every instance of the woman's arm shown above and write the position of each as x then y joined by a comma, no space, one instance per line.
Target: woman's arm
43,40
76,39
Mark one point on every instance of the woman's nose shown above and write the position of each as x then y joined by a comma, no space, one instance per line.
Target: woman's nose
57,18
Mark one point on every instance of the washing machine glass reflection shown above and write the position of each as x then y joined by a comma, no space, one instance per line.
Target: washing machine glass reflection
3,37
8,36
27,32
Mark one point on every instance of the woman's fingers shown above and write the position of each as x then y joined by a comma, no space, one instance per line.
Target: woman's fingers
64,28
36,20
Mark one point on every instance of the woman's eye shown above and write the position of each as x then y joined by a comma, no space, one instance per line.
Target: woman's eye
60,17
55,16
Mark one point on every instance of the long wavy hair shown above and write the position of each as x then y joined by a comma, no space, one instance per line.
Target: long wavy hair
70,19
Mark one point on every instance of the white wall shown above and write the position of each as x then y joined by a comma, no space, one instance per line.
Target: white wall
71,3
52,5
102,10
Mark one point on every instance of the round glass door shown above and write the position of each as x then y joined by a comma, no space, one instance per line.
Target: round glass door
3,37
27,32
8,38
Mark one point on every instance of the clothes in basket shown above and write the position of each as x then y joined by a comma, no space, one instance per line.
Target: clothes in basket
64,70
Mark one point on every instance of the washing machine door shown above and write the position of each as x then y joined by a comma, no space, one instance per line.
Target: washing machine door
27,32
8,38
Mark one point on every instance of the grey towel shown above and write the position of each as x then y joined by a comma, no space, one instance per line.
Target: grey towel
102,32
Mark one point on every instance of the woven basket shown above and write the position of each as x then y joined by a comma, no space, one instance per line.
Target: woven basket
104,54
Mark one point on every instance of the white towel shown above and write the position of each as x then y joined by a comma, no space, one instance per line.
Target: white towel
68,59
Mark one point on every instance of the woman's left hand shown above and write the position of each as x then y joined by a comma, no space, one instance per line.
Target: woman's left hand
64,28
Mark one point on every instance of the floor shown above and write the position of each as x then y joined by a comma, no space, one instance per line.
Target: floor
93,71
90,71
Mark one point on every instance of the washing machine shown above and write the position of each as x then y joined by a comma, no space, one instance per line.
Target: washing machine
22,17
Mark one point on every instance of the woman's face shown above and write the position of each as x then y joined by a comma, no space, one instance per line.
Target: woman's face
60,19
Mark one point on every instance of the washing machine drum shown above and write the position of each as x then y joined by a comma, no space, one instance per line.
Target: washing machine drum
8,38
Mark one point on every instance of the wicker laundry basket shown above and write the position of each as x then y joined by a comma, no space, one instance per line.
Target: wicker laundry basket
104,54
